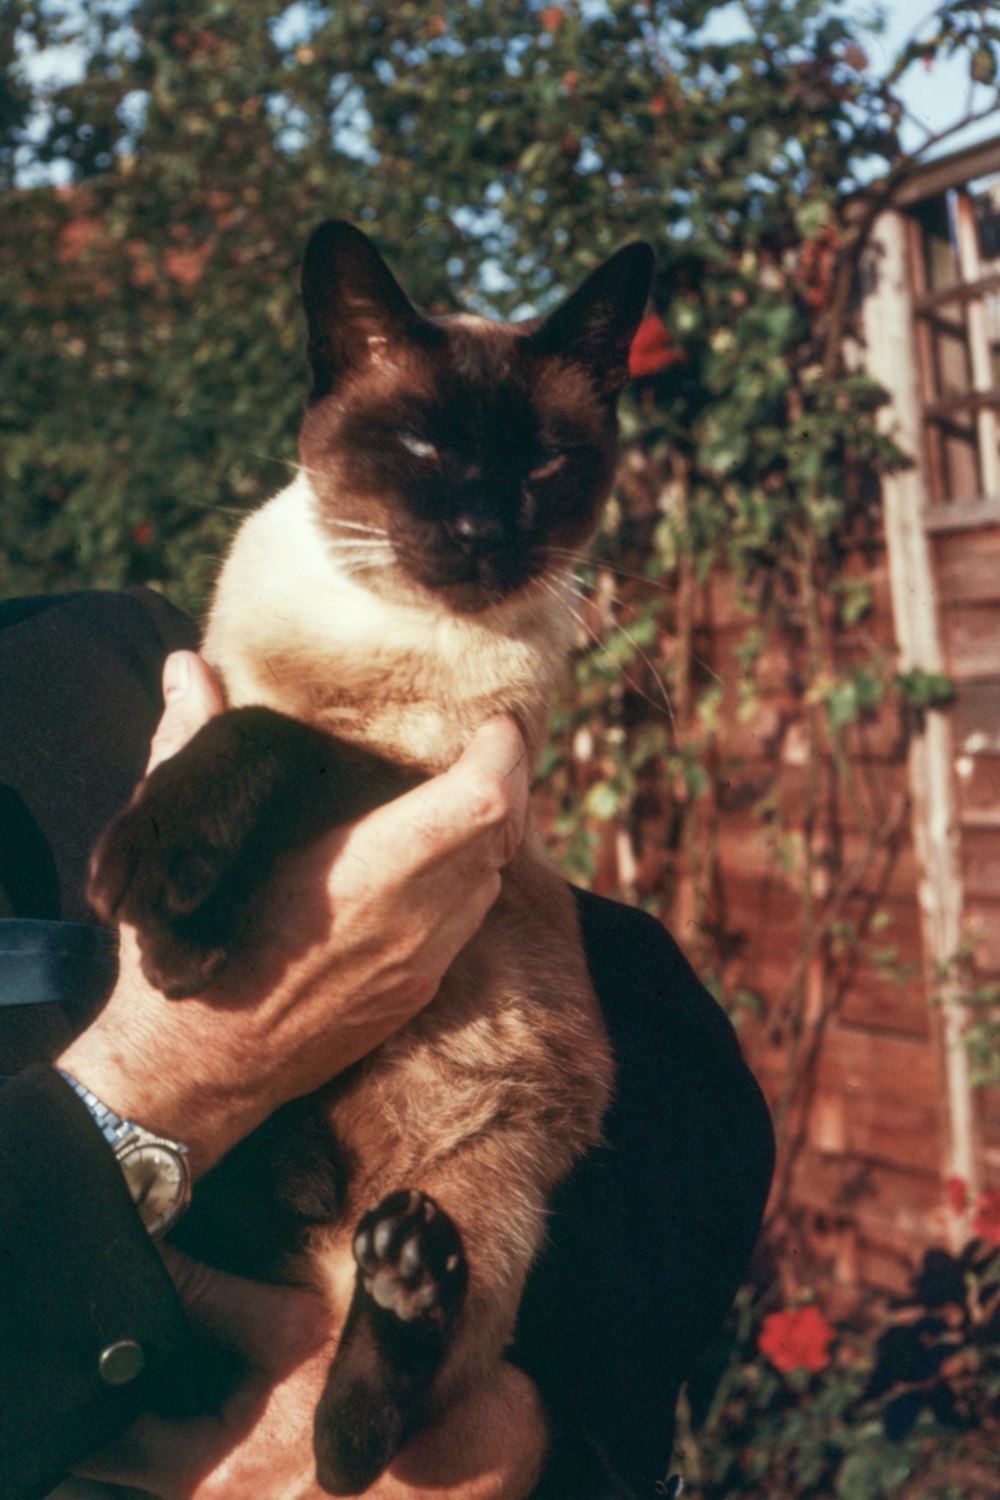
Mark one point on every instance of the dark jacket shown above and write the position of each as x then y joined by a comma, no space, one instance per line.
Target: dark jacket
649,1237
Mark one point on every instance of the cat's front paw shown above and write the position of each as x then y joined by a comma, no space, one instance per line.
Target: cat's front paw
159,867
184,862
410,1259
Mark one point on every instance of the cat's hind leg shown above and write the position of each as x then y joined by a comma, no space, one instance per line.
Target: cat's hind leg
411,1283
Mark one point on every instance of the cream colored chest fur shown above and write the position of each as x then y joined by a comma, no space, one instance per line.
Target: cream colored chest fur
290,628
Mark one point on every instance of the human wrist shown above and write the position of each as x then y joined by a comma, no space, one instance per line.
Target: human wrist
163,1098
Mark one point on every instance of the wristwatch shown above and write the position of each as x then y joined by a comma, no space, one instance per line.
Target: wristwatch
156,1170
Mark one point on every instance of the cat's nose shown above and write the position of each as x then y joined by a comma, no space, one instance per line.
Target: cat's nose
477,532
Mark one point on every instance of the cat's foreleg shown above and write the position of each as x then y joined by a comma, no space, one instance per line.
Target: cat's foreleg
183,862
432,1311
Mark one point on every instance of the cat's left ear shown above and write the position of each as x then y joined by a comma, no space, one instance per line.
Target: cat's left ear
595,326
354,306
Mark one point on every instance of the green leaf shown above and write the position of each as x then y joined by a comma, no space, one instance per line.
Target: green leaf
811,217
924,690
602,801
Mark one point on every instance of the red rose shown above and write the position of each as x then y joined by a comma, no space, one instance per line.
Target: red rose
957,1194
986,1219
552,18
651,349
142,534
658,106
798,1338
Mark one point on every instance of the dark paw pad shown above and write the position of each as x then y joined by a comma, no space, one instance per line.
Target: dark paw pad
410,1259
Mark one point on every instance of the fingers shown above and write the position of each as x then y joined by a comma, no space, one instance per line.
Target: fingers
161,1458
192,696
488,785
273,1327
482,800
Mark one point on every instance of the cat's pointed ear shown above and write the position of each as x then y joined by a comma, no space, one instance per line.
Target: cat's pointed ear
354,305
595,326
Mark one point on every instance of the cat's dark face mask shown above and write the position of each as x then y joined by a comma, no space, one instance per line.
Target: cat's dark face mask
452,456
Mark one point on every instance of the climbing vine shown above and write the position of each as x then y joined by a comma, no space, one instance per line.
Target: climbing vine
734,682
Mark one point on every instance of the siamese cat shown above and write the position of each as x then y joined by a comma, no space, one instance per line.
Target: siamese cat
409,583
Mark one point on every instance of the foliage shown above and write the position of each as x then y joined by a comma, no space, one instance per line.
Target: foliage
922,689
152,365
152,355
981,1034
905,1404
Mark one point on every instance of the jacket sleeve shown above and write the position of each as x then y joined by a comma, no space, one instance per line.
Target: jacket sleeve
88,1315
79,700
652,1234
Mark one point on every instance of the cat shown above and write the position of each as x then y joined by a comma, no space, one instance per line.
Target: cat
410,582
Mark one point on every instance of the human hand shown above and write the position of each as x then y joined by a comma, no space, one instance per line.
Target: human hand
357,934
489,1446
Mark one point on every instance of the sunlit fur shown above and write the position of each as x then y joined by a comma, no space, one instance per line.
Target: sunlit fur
397,598
297,625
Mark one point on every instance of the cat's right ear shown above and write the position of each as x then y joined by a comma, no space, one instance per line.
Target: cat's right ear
596,325
354,305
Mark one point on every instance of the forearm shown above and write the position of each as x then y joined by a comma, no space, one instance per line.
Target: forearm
149,1071
79,1279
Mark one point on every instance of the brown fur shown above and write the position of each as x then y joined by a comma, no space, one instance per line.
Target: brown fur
483,1101
478,458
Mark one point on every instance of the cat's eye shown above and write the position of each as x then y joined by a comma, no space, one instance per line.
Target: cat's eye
415,444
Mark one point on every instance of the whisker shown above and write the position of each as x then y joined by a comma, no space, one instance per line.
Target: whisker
216,505
656,676
362,544
698,661
589,630
275,458
341,523
362,565
601,562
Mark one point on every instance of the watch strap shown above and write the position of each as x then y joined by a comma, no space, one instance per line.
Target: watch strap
113,1128
127,1139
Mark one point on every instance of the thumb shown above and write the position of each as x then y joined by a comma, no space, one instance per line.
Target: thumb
485,793
273,1327
191,697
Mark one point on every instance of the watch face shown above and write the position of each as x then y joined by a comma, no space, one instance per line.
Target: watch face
158,1180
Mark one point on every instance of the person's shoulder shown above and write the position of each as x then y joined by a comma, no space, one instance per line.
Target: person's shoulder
646,985
627,936
116,614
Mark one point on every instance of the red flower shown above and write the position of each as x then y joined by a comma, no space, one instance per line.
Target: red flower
957,1194
658,106
986,1219
142,534
798,1338
651,349
552,17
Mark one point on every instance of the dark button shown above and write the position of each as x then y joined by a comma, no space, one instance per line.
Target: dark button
121,1362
